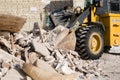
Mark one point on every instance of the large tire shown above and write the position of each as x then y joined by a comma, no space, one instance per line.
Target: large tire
90,42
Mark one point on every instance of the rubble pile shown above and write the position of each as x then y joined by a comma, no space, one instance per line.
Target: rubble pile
36,54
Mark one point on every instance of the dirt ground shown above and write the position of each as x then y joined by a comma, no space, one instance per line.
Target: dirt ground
110,67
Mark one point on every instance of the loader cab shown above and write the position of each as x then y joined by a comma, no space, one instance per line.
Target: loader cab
110,17
114,6
109,6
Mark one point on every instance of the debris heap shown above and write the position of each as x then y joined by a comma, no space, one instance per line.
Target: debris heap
36,55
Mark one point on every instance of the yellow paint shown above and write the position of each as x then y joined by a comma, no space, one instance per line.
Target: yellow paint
93,16
111,22
85,21
95,43
112,25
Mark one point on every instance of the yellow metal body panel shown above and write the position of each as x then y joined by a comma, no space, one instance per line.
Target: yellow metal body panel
93,17
111,22
112,25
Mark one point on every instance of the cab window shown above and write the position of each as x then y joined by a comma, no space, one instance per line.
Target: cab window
115,7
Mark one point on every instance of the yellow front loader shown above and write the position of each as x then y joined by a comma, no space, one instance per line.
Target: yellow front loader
96,25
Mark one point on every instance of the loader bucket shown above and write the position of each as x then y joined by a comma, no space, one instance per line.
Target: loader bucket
69,42
11,23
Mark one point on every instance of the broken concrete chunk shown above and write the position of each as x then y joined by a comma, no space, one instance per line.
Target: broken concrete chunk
1,74
58,55
69,59
5,56
12,42
26,55
49,58
8,57
58,29
14,74
18,55
50,37
32,57
40,74
40,48
42,31
51,61
74,53
22,42
45,66
61,36
37,73
5,64
90,76
63,68
18,36
11,23
5,34
51,48
4,71
5,43
28,78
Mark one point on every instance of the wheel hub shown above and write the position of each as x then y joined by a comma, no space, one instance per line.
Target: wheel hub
95,43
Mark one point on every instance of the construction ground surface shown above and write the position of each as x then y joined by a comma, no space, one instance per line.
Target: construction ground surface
109,64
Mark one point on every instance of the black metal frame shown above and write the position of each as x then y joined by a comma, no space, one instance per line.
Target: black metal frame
116,9
106,8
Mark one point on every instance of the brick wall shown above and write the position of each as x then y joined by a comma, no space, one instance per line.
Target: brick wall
30,9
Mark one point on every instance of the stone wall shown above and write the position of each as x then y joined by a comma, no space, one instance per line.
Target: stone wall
57,4
33,10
